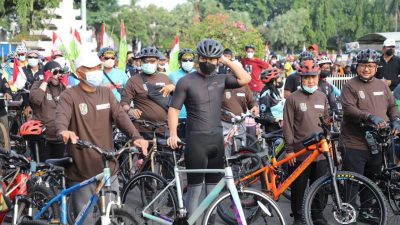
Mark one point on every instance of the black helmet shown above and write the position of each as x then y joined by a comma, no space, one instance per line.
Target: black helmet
209,48
149,52
250,46
306,56
368,56
104,50
185,51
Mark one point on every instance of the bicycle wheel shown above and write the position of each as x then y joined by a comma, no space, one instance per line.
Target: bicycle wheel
141,190
120,216
163,165
391,189
4,137
258,209
361,201
253,142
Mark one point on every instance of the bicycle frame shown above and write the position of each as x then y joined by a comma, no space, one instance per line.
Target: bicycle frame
227,181
322,147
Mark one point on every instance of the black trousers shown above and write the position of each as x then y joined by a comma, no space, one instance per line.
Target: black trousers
48,150
313,172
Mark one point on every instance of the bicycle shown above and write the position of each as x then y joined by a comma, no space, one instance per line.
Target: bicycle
112,213
336,184
162,202
16,118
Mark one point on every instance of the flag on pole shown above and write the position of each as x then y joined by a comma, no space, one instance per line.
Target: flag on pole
123,48
58,43
102,35
75,44
173,56
19,78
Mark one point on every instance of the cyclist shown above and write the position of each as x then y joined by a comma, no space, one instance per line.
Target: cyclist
162,64
202,92
129,61
222,69
186,65
87,111
325,65
254,67
142,88
365,99
135,67
271,102
8,68
21,50
389,64
301,120
292,82
44,96
114,78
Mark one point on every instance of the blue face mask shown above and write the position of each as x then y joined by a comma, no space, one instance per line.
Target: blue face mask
33,62
22,58
94,78
187,66
149,68
310,90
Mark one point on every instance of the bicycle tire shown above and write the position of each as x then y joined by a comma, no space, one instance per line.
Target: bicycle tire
163,163
45,196
226,213
142,189
4,137
348,199
117,214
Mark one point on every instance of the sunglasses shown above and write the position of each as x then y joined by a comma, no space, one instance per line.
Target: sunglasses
11,61
21,54
187,60
57,71
32,57
107,58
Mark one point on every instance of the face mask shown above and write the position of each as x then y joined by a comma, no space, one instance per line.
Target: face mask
149,68
273,61
279,84
325,73
390,52
187,66
250,55
109,63
33,62
207,68
161,67
310,90
21,58
94,78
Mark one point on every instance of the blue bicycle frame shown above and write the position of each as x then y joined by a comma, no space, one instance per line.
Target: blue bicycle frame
105,181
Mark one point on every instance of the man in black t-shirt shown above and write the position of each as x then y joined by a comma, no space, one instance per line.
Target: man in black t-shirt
389,65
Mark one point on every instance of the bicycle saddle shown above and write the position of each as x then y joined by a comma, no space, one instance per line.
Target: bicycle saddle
62,162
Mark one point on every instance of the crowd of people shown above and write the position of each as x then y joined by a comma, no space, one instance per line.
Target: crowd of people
289,95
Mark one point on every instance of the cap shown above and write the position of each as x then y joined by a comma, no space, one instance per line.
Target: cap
51,65
87,59
389,42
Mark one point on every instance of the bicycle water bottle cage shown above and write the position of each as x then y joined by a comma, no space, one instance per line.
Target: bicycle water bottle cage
33,130
314,139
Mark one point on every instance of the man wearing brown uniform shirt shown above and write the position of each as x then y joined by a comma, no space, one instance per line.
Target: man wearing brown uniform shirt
87,111
301,120
369,100
137,90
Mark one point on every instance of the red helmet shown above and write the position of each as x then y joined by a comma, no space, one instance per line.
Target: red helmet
31,128
268,75
308,68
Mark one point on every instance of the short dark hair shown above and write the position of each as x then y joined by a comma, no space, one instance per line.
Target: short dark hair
227,51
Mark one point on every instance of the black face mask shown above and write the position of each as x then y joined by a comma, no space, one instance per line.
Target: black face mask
389,52
207,68
325,73
279,84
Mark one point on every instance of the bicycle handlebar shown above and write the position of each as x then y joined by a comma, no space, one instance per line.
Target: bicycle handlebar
238,119
107,154
149,124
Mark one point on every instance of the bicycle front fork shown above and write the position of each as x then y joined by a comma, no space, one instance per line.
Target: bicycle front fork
332,171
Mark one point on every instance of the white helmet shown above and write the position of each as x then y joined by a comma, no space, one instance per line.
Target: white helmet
323,60
21,49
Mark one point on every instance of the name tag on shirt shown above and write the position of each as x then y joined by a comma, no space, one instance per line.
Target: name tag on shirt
160,84
319,106
49,98
376,93
241,94
103,106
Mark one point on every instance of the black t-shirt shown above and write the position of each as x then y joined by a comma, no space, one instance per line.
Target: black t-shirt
389,70
202,96
292,83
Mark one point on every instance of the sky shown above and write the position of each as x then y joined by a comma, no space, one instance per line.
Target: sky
168,4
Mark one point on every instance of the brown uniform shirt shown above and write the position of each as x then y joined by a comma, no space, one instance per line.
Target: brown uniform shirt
301,119
135,91
90,116
237,101
359,100
44,106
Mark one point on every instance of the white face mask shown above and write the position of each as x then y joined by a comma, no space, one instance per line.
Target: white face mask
149,68
109,63
33,62
187,66
161,67
94,78
250,55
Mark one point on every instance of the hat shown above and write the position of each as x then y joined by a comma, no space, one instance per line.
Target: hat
313,47
389,42
34,52
51,65
87,59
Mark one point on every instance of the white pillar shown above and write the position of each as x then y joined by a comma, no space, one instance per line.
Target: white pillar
83,13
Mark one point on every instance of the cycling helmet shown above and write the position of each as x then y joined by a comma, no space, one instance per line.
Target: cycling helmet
105,50
306,56
269,75
250,46
21,49
368,56
31,128
11,55
308,68
323,60
185,51
209,48
149,52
